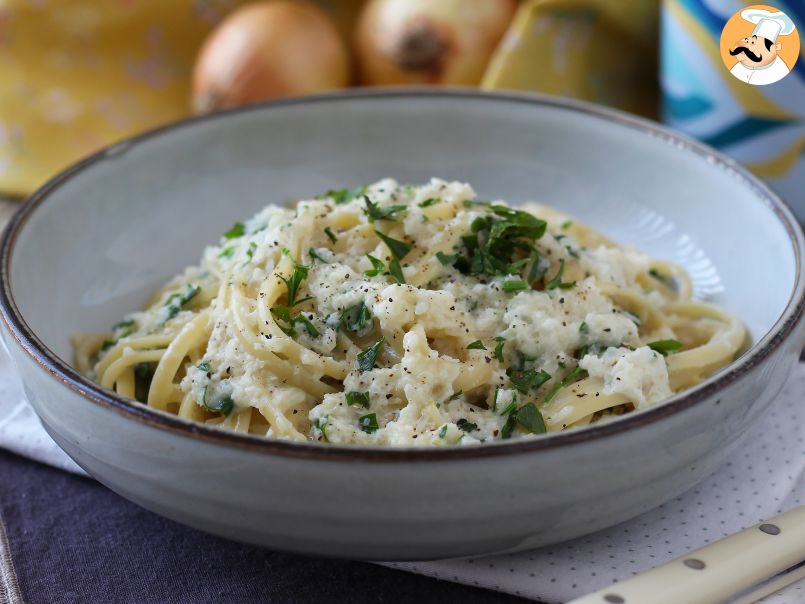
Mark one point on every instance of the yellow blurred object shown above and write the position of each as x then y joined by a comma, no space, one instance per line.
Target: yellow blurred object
76,75
79,74
597,50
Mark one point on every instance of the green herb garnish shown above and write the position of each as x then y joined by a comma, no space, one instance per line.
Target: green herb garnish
321,425
377,267
177,301
368,423
500,341
250,251
356,318
557,280
476,345
340,196
455,396
530,418
399,249
446,259
527,380
358,399
667,281
237,230
368,358
584,329
316,256
374,212
429,202
286,322
293,282
227,252
566,225
465,425
514,286
330,235
395,270
665,346
572,375
222,405
443,431
204,366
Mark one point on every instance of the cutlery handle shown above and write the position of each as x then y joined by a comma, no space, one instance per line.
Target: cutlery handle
719,571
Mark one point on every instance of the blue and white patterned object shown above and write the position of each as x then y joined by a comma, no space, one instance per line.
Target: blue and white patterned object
761,126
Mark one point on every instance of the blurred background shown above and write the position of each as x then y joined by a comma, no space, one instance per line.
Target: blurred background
76,75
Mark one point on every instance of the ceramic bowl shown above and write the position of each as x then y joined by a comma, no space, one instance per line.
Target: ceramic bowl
94,242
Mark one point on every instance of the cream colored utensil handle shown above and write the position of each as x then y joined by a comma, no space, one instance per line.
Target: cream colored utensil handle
740,568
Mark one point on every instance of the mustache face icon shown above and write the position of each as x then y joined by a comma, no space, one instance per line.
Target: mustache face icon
743,49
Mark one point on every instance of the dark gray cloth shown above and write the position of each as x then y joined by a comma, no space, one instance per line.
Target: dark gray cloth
73,540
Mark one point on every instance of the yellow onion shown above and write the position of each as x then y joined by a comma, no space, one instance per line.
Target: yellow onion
269,50
429,41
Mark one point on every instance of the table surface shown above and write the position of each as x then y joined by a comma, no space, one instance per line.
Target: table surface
73,540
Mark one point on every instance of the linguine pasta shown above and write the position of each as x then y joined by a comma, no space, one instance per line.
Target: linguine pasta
406,316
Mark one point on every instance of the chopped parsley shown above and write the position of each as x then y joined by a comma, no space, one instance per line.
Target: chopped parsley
443,431
250,251
557,279
500,341
429,202
399,249
330,235
665,346
316,256
204,366
572,375
227,252
395,270
374,212
358,399
321,425
446,259
120,331
368,423
368,358
498,241
378,267
527,380
530,418
356,318
514,286
238,230
584,329
345,195
465,425
287,322
293,282
455,396
476,345
566,225
667,281
177,301
219,405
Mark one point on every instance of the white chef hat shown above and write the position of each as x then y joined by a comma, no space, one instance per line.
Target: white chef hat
769,25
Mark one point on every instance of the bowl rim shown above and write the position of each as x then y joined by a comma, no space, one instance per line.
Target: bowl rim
47,360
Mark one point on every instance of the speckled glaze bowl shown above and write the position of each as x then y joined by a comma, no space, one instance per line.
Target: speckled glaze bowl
99,238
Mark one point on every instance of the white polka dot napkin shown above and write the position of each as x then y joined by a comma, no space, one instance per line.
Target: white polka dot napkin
766,478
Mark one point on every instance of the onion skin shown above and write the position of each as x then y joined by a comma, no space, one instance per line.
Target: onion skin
429,41
269,50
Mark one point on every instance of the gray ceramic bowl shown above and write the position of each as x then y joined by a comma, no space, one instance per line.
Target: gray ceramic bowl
96,240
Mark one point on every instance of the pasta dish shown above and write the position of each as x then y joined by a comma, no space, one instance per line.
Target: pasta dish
413,316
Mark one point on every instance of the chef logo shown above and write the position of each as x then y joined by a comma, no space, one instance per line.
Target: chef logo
759,45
